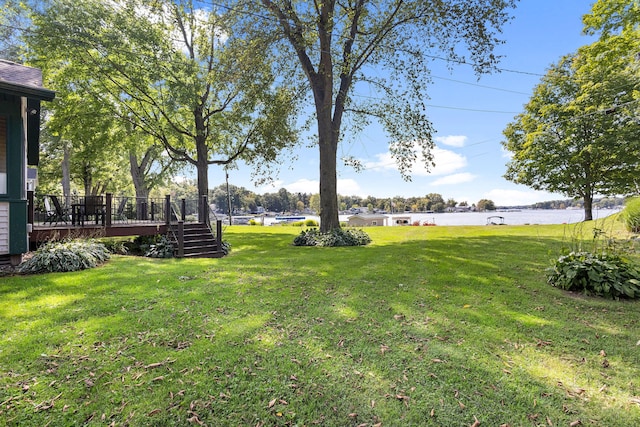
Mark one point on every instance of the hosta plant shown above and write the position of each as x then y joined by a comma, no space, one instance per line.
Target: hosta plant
604,274
66,256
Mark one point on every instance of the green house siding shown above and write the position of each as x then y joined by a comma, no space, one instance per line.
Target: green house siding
15,197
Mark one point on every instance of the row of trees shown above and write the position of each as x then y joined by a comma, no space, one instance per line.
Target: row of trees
246,201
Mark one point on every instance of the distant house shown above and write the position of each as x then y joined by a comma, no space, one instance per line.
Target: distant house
20,94
366,220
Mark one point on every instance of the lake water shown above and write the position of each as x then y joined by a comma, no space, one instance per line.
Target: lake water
520,217
525,216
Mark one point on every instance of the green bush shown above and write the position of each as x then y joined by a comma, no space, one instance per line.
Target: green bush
225,247
160,248
605,274
63,256
631,214
118,247
311,223
336,237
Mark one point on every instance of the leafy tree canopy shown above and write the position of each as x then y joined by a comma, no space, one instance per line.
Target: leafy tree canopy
578,134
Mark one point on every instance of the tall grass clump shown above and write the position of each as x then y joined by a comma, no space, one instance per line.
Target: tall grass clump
631,214
64,256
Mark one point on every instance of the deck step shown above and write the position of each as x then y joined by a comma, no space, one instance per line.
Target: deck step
199,241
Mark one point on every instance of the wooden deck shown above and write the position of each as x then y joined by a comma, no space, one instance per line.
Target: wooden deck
151,218
44,233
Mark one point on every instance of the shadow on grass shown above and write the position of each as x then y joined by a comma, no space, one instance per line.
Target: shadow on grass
421,332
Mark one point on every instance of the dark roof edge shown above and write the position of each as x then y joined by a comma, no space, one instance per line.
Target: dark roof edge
27,91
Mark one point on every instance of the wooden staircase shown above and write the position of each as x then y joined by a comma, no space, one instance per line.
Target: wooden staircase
198,241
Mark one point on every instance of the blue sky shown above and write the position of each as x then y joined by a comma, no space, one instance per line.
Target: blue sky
468,115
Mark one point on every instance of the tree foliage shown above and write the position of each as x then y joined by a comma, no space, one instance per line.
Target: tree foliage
610,17
177,73
385,46
578,135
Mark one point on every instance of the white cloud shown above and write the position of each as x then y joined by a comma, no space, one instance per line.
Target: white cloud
458,178
503,197
349,187
270,187
446,162
303,185
451,140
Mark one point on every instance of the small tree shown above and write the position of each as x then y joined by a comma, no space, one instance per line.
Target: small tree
486,205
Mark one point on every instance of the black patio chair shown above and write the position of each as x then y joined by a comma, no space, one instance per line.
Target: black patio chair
120,215
94,207
56,214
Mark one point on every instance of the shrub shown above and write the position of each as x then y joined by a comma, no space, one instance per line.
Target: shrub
254,222
226,247
63,256
336,237
296,223
118,247
160,248
605,274
631,214
311,223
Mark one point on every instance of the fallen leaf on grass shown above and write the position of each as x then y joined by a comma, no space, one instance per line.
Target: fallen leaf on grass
271,403
575,423
476,423
383,348
432,413
635,400
195,420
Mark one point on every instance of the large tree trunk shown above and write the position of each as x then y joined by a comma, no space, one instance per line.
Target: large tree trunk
202,167
140,185
328,146
66,176
588,208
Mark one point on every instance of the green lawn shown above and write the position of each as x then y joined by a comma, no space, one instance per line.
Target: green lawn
427,326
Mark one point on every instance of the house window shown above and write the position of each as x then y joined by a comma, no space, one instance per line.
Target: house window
3,155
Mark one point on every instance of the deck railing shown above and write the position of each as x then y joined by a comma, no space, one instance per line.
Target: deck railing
109,210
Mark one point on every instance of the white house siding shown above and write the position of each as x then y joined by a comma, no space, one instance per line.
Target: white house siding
4,228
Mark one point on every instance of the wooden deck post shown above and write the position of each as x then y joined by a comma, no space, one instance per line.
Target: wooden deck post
30,207
108,203
167,209
219,234
180,239
203,214
183,209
